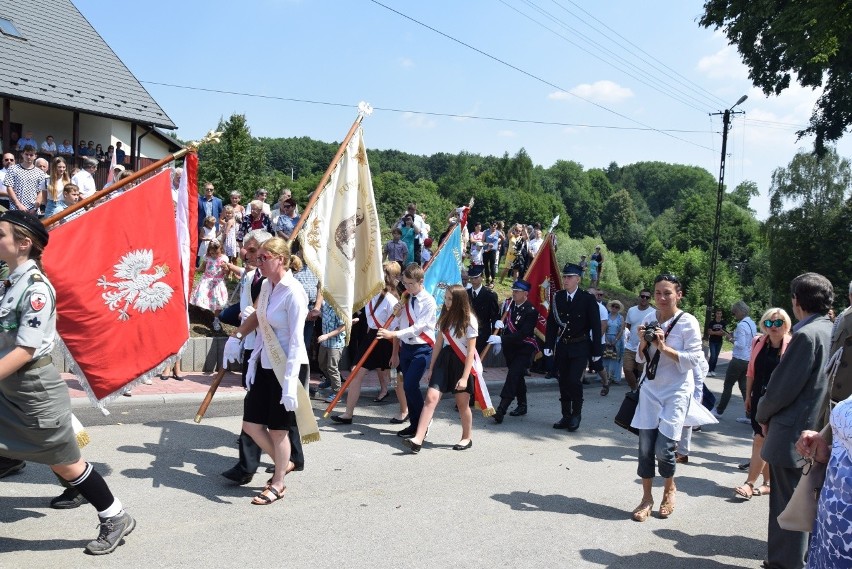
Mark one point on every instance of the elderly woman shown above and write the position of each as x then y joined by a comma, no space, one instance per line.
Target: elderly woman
255,220
831,544
272,374
673,351
766,351
614,350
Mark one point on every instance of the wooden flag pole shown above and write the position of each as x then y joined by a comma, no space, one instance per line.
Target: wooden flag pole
117,186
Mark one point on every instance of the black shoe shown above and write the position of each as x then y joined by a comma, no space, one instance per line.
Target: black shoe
498,416
395,421
562,423
521,409
414,447
236,474
112,532
586,381
463,447
70,498
744,466
342,420
407,432
12,468
574,423
548,375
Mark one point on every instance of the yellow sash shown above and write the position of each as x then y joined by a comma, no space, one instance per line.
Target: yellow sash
305,419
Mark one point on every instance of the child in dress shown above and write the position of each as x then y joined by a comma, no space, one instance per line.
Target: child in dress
477,241
207,234
228,224
211,293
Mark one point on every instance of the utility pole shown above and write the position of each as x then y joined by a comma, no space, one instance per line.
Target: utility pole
714,256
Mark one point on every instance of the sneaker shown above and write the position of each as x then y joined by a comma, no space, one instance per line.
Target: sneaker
716,413
217,326
711,374
11,467
696,429
744,420
331,397
324,384
112,531
70,498
407,432
147,381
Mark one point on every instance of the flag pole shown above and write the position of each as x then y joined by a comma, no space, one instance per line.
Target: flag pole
363,110
375,341
106,191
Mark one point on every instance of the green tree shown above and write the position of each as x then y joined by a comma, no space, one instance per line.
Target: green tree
742,194
235,163
621,230
810,39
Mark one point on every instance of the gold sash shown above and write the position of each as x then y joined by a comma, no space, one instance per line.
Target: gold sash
305,419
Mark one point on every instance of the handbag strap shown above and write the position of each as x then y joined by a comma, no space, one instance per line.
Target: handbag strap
651,368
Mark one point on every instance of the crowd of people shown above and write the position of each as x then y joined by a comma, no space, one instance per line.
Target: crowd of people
49,148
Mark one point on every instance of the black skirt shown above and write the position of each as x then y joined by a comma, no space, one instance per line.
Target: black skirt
379,358
262,404
447,372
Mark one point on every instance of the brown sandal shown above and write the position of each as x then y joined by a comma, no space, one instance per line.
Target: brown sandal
746,491
265,498
643,511
605,389
667,506
762,490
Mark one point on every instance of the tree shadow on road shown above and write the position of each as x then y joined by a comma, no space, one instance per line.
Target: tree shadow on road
559,504
651,560
182,444
709,545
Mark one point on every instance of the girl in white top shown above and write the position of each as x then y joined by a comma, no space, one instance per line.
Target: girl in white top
59,178
452,367
377,312
666,392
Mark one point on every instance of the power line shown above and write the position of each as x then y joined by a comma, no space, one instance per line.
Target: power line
427,113
533,76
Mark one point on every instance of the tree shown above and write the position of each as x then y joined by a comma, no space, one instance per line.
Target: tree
621,231
778,38
742,194
807,211
235,163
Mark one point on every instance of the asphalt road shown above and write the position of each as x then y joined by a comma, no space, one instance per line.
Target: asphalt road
525,495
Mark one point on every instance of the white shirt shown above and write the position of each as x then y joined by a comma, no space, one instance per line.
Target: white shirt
382,311
286,312
743,335
425,316
85,182
604,317
533,245
664,400
635,316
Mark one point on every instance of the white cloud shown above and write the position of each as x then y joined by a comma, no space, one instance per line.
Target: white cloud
507,133
724,64
405,62
603,91
416,120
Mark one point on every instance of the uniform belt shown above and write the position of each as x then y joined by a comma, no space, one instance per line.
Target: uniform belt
574,340
36,363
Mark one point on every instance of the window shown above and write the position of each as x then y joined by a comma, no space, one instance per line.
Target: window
9,29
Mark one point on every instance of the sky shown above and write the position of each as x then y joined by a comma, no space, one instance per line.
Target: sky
593,82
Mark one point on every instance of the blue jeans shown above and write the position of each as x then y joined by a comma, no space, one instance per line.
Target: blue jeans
413,361
714,355
655,445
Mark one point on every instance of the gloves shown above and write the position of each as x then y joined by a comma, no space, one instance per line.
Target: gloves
493,339
548,353
247,311
232,352
289,402
497,348
250,373
499,325
596,358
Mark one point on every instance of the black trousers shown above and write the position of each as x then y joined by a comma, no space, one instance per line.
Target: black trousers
250,452
490,260
517,360
571,370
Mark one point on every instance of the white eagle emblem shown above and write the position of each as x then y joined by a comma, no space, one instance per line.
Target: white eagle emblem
135,286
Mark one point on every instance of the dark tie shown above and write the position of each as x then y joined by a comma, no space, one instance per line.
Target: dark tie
257,277
475,294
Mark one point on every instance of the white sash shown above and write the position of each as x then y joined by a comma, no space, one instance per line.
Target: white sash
305,419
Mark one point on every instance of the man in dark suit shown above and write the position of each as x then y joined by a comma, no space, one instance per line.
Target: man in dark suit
574,332
519,346
792,403
841,356
208,204
485,306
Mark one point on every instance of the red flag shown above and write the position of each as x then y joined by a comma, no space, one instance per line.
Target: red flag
545,278
120,288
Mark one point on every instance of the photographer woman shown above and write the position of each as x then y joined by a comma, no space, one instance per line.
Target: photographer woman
670,346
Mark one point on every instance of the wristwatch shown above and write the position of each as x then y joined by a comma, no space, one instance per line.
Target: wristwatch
238,335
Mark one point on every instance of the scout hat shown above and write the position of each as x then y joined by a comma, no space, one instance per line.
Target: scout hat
29,222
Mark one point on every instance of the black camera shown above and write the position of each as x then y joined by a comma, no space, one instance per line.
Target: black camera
650,333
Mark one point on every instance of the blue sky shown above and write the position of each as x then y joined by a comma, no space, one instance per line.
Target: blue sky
572,66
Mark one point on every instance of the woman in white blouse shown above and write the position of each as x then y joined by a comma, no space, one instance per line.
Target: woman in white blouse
269,407
666,392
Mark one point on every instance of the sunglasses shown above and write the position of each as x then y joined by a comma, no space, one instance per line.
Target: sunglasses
645,296
778,323
668,277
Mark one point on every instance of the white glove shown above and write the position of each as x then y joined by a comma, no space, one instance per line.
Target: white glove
497,348
596,358
250,373
499,325
232,352
289,402
548,353
494,339
247,311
